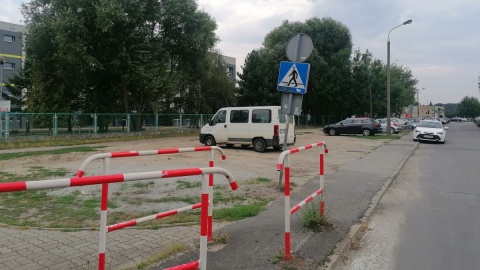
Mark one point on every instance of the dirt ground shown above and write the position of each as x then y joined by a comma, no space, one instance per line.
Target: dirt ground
244,164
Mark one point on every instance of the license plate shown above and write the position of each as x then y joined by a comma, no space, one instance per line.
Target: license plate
428,136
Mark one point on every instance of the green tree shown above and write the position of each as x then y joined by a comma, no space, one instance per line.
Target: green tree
329,90
118,55
468,107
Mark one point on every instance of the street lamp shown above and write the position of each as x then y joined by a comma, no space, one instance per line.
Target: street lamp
388,76
2,60
418,102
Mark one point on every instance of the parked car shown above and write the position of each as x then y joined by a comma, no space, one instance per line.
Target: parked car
456,119
430,130
412,123
394,126
364,126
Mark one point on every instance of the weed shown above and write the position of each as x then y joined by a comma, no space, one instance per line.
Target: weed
222,238
8,156
312,218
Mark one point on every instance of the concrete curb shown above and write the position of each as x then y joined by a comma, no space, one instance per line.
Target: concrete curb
357,230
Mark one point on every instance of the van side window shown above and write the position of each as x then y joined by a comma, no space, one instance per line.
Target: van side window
262,116
239,116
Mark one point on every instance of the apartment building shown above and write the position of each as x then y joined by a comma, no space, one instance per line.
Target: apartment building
12,50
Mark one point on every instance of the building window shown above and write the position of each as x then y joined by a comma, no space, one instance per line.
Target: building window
9,65
8,38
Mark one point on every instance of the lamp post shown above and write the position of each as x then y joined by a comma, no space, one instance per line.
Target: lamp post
2,60
388,76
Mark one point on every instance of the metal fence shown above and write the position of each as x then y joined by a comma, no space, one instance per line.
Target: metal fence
58,124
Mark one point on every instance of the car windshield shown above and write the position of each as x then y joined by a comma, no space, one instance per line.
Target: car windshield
430,124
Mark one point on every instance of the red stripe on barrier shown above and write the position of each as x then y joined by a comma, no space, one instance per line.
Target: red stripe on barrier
187,266
181,172
309,198
13,186
101,261
287,246
204,215
294,150
202,148
168,151
322,170
287,181
166,214
124,154
122,225
104,203
197,205
234,185
308,146
322,208
294,209
80,173
279,167
100,179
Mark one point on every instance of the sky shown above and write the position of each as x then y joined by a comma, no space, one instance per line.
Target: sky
441,47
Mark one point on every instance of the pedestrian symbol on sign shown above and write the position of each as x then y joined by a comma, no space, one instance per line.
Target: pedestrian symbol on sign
291,77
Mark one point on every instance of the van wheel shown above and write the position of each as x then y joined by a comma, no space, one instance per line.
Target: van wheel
210,141
259,145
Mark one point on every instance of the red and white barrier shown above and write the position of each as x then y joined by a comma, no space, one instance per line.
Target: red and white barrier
116,178
106,168
284,159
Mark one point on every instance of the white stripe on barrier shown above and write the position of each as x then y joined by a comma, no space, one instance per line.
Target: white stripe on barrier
54,183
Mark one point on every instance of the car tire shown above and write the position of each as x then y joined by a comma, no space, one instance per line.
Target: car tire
259,145
332,132
393,130
367,132
210,141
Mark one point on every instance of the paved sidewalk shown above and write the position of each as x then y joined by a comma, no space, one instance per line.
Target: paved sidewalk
351,194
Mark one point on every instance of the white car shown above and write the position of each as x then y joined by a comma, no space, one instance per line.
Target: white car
430,130
394,126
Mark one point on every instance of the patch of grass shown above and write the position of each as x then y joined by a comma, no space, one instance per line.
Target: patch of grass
312,218
219,197
380,137
181,184
8,156
258,180
238,212
68,141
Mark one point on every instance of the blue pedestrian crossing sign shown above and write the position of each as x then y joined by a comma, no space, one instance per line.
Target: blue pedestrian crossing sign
293,77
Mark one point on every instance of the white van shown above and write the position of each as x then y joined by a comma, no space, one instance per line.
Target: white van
260,126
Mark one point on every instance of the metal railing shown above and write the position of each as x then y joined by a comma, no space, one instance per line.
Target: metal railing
15,124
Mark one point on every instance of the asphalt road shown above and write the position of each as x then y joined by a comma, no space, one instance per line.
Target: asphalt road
429,218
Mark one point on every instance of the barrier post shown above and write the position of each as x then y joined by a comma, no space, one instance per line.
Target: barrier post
283,164
103,219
